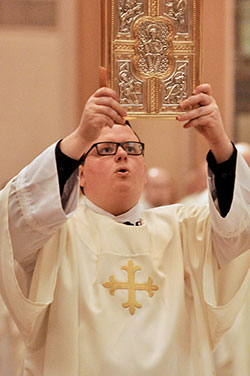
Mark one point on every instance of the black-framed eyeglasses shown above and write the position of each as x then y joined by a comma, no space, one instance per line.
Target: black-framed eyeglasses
110,148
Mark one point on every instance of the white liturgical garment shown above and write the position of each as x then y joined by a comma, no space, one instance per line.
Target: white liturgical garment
102,298
232,355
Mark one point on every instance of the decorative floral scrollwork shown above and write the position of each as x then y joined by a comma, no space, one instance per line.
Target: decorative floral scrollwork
151,50
128,11
175,89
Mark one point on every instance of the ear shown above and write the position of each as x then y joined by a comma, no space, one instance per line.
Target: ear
82,176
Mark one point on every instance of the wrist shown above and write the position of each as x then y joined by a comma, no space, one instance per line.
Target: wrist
222,151
74,145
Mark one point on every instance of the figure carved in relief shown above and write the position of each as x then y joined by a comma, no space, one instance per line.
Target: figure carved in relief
128,10
176,88
153,48
129,89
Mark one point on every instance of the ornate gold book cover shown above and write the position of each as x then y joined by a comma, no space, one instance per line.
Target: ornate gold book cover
151,51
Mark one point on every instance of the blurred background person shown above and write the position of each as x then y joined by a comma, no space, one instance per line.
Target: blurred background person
196,180
195,184
160,188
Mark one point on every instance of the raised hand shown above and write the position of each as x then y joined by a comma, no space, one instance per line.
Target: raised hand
102,109
203,114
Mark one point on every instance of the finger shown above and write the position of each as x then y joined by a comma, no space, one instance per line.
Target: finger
107,92
195,101
110,113
196,123
110,102
196,113
203,88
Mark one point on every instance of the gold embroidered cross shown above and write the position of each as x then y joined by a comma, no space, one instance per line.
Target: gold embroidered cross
131,286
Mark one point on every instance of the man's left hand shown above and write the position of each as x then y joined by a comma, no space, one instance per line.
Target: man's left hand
203,114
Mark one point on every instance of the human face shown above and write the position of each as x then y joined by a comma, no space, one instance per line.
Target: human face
160,189
114,182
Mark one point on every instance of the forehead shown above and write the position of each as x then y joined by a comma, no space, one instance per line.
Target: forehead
118,133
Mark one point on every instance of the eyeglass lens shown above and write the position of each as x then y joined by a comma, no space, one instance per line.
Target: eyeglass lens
108,148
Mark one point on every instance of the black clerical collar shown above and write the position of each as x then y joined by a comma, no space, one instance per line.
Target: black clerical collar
137,223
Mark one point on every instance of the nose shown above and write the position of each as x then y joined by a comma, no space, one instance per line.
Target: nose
121,154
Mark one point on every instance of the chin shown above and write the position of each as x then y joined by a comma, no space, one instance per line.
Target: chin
124,194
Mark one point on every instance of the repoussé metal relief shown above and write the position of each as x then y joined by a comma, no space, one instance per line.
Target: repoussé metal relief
152,53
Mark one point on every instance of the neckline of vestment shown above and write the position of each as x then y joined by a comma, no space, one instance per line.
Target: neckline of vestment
133,215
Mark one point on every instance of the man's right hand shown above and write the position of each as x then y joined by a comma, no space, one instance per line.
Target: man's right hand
102,109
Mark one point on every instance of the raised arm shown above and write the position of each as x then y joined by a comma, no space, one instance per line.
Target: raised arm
35,203
203,114
230,234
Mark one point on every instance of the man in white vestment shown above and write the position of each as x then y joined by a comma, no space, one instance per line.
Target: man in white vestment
110,289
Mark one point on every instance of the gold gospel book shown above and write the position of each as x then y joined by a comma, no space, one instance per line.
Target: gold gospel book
151,51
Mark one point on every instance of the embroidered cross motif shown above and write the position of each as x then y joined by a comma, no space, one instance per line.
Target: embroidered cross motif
131,286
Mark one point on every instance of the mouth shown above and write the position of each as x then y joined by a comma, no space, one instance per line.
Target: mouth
122,171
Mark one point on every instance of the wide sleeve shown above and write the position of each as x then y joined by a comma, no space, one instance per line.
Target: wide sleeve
226,276
35,206
31,217
231,235
29,308
218,284
24,311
